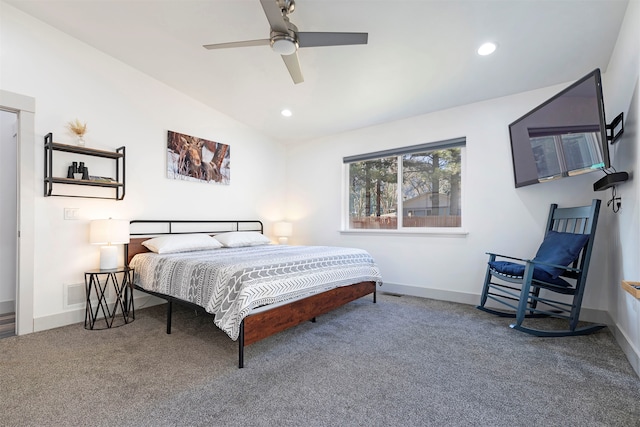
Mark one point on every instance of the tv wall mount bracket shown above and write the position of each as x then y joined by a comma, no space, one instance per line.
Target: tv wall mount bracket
614,130
612,134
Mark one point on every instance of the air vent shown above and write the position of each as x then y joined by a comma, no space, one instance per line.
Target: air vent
75,295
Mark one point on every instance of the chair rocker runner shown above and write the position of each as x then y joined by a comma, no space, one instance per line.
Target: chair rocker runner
564,254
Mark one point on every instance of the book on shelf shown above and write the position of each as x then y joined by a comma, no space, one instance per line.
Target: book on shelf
101,179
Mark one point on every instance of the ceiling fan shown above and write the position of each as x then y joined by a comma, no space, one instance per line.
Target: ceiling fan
285,39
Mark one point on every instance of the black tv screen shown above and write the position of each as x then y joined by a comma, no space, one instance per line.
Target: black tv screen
564,136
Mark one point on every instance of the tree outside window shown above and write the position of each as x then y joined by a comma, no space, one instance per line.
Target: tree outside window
419,189
373,200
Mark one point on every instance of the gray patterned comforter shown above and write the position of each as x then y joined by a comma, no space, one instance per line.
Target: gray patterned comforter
230,282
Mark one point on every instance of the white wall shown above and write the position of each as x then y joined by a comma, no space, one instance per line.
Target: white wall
621,85
122,106
8,210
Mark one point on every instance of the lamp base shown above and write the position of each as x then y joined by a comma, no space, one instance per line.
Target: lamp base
108,257
283,240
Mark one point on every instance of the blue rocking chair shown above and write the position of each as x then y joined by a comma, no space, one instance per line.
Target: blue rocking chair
559,268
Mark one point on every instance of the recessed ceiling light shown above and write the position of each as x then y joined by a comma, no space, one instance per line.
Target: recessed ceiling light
286,112
487,49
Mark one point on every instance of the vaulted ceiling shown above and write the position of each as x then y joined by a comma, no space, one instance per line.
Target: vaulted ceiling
420,57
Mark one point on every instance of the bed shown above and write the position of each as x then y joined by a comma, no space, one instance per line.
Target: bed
251,289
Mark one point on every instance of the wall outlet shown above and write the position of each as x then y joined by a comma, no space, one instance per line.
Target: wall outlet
71,213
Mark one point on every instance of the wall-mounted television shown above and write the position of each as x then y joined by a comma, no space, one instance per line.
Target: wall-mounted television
564,136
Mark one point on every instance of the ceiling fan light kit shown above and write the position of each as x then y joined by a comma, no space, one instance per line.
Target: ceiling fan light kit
285,38
284,44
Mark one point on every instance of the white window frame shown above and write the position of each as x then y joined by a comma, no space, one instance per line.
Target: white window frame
401,230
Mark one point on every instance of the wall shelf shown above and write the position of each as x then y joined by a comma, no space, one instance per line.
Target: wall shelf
631,288
118,156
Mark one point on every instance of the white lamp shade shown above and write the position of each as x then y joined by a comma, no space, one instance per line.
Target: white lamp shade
282,229
109,231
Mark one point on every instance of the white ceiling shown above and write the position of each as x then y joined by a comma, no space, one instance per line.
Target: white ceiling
420,56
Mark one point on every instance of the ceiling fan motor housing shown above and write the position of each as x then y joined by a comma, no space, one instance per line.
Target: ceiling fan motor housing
285,43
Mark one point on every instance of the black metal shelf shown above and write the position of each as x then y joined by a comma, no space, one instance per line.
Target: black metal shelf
84,150
119,156
89,182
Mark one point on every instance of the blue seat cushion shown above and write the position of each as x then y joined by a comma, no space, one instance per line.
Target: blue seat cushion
514,269
561,249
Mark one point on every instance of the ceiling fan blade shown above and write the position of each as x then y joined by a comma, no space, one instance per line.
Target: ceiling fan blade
293,65
262,42
311,39
274,16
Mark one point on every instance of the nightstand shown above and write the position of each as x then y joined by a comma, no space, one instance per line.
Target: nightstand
97,283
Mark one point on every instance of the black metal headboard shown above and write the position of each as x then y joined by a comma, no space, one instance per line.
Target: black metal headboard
170,226
142,229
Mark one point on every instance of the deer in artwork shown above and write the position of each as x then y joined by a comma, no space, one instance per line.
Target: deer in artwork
197,157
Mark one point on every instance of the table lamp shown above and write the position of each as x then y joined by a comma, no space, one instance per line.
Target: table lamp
108,233
283,231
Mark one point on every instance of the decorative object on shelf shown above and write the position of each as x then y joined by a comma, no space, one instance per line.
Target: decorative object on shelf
78,129
77,170
117,184
108,233
283,231
191,158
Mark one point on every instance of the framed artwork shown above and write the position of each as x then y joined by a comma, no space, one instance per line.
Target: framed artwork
190,158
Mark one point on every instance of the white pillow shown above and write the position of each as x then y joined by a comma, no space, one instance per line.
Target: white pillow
236,239
181,243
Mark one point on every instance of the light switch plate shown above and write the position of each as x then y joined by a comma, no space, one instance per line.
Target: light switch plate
71,213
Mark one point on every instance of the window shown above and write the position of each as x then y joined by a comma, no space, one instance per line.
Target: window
406,188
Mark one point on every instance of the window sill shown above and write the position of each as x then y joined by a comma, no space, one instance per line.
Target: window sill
445,232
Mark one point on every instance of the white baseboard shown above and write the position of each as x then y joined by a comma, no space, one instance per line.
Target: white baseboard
587,314
77,316
7,307
439,294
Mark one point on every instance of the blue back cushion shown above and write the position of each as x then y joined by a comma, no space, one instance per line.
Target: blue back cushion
561,249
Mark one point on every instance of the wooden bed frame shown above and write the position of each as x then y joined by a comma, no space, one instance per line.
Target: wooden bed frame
263,324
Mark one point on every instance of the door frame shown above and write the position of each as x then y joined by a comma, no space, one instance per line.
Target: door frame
25,107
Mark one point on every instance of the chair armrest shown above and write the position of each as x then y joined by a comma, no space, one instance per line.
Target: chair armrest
564,267
506,256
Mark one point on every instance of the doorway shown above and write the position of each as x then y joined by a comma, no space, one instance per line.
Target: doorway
23,107
8,221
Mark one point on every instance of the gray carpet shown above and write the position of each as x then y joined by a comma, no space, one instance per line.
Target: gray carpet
401,362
